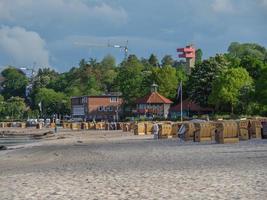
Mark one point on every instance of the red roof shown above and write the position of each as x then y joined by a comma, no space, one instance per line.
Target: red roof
154,97
192,106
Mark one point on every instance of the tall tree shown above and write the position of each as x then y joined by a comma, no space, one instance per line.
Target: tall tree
52,102
130,80
2,106
261,92
227,87
108,73
15,108
108,62
44,78
202,76
153,60
15,82
167,60
199,55
166,78
253,65
92,87
247,49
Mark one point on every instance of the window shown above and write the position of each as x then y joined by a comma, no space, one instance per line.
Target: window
109,108
101,108
84,100
113,99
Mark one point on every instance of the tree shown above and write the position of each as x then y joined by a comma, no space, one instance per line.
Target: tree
108,73
253,65
92,86
108,62
181,75
52,102
153,60
247,49
2,106
166,79
227,87
261,92
130,80
199,56
202,76
45,77
15,83
233,60
167,60
15,108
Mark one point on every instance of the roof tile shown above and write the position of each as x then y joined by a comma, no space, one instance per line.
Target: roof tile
154,97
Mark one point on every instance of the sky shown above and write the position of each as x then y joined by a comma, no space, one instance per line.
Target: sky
59,33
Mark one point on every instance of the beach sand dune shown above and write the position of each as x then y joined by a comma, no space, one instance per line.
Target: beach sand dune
119,166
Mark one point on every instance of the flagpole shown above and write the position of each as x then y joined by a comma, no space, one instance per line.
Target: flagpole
181,101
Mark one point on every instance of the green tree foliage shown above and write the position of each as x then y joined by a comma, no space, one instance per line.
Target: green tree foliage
90,78
108,74
227,87
166,79
247,49
15,82
199,56
52,102
15,108
261,92
45,77
134,78
130,80
108,62
167,60
2,106
181,75
253,65
153,60
202,76
92,86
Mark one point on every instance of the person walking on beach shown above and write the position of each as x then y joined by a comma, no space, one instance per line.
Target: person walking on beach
181,132
155,130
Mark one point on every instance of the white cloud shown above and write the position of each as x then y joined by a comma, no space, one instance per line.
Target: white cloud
23,47
224,6
58,11
264,3
4,13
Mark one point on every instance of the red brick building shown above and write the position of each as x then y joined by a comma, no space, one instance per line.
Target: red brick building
153,105
102,107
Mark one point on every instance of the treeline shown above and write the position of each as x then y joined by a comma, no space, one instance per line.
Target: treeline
234,82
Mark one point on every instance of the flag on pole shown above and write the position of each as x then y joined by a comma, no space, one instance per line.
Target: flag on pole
40,106
180,94
179,90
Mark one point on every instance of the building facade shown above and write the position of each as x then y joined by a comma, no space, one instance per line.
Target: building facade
102,107
153,105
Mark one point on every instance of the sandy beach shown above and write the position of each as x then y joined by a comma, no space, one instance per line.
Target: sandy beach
117,165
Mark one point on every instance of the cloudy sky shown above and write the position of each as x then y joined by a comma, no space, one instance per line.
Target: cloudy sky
58,33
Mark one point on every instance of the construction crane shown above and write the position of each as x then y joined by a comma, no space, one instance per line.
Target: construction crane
109,45
123,47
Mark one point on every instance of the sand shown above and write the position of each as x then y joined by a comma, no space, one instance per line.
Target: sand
115,165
